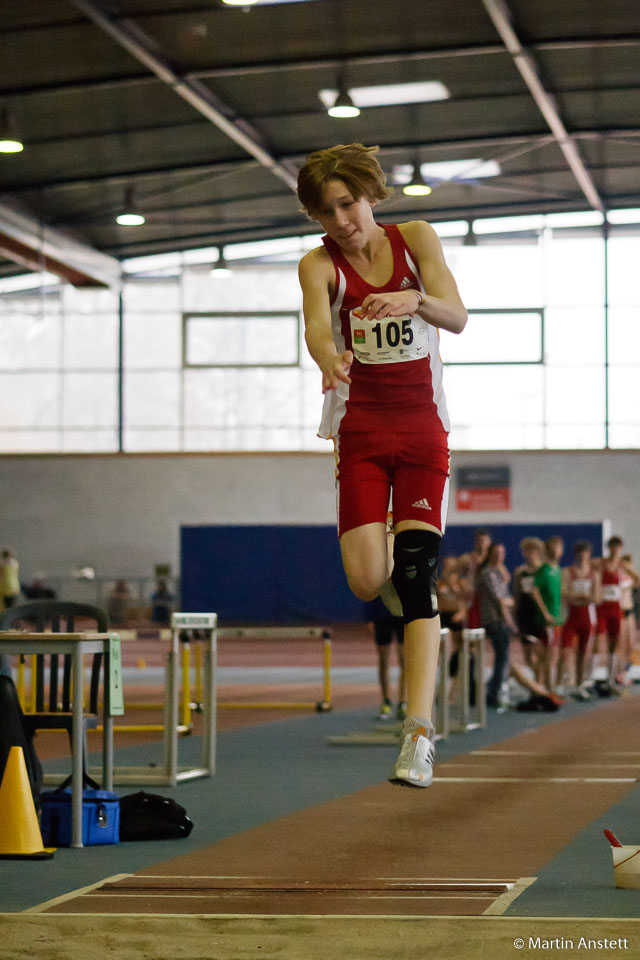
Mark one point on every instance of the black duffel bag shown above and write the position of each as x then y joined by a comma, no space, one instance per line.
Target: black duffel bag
13,734
148,816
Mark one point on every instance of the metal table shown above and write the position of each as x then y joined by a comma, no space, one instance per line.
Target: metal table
76,645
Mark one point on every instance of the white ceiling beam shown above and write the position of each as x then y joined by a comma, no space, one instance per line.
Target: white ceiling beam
26,241
192,90
526,65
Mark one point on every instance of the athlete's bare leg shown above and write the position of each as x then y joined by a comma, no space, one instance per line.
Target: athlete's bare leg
613,659
383,670
402,684
581,659
365,557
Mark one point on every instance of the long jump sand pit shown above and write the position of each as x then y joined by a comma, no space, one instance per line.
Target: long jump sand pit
167,937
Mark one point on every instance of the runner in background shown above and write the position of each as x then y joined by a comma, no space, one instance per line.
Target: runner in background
609,613
579,594
629,580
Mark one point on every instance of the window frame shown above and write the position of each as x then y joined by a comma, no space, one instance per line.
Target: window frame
239,315
539,311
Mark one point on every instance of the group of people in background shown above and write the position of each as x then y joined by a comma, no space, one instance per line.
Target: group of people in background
120,602
568,619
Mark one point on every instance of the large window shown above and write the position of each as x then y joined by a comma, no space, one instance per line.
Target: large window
59,371
186,361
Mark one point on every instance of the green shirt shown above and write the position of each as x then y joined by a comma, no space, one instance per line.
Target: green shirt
548,580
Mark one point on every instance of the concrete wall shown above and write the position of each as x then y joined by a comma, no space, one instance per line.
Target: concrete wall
121,514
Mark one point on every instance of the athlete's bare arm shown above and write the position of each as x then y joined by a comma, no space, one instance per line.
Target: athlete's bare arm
315,272
442,306
537,596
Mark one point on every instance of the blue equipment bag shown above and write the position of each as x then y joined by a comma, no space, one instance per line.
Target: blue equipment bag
100,817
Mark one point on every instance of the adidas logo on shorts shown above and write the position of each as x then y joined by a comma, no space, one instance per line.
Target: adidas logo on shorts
423,503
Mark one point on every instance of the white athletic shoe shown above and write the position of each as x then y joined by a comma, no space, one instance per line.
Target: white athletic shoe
414,766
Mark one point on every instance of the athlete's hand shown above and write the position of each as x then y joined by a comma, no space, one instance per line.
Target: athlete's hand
399,304
337,371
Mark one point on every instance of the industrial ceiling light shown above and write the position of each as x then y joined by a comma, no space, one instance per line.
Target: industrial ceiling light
417,187
240,3
221,268
387,94
343,106
470,239
130,216
9,142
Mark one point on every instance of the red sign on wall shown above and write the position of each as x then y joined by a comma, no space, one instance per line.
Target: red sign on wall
478,499
483,488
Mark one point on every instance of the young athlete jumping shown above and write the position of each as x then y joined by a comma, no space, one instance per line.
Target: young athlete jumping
374,298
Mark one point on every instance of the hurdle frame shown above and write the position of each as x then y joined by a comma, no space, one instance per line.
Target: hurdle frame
472,641
284,633
442,722
171,773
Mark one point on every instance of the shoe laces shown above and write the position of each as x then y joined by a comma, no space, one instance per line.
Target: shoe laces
411,744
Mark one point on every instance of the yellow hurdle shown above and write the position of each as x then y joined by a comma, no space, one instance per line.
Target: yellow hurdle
20,684
186,685
32,698
268,705
327,671
199,688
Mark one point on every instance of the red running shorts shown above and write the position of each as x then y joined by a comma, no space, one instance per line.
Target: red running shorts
577,625
609,619
371,466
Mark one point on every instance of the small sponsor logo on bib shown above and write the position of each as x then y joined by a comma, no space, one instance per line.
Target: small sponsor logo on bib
359,336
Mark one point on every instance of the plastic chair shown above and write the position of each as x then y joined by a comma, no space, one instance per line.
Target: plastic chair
59,616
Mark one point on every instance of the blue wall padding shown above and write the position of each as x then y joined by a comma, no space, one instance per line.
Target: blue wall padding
293,574
266,574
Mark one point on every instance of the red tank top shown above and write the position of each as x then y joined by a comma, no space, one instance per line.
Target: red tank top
395,397
610,591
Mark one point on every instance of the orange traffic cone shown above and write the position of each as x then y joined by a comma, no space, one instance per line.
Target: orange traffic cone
20,837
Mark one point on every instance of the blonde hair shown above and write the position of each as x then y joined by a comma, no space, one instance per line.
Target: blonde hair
353,163
530,543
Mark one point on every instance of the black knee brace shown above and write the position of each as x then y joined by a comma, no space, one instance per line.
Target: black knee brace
415,559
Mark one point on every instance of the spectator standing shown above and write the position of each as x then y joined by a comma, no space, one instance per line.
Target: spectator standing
9,578
119,603
548,583
162,601
475,559
495,608
526,607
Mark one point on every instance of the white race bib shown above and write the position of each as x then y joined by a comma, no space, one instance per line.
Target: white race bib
391,340
526,583
611,591
579,588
